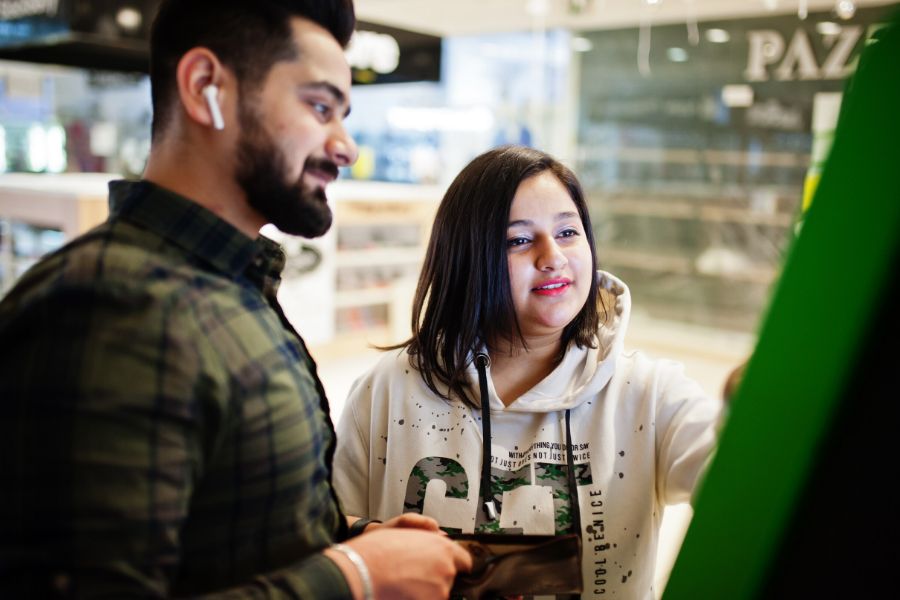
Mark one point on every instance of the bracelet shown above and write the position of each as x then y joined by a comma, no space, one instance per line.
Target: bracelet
361,568
359,526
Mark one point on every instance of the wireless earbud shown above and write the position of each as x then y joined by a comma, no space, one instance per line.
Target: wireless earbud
211,92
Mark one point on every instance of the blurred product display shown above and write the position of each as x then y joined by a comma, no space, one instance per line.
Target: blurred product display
38,213
359,289
699,146
696,168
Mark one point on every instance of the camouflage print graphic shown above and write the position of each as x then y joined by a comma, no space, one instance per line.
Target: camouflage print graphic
546,474
552,475
434,467
557,477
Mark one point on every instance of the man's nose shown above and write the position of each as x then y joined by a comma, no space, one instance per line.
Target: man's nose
341,148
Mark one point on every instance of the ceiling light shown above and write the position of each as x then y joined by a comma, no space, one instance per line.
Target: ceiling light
129,18
828,28
582,44
845,9
717,36
676,54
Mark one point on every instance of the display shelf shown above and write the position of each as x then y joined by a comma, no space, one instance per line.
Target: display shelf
381,232
690,249
371,259
691,209
757,273
653,261
362,297
71,203
33,206
693,156
735,233
379,256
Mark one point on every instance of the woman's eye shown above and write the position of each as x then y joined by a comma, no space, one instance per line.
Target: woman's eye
568,233
517,241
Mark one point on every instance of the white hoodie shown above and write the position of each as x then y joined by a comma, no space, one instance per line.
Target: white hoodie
642,434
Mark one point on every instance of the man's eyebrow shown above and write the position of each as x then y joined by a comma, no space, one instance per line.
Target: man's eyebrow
339,96
559,217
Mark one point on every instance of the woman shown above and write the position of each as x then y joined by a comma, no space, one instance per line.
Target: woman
510,311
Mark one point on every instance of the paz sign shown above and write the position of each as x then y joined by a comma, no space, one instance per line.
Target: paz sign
797,60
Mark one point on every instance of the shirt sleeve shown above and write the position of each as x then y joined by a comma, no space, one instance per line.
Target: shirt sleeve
686,428
102,443
317,577
351,458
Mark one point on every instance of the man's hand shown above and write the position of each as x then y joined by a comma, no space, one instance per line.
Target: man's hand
406,562
407,521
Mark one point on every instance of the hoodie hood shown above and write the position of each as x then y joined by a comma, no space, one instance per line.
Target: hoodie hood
583,372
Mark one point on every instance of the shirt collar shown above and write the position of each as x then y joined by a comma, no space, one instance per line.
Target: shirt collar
197,231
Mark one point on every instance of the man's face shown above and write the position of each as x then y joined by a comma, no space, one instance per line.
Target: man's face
292,137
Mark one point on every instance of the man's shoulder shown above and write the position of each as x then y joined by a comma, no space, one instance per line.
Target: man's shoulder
117,262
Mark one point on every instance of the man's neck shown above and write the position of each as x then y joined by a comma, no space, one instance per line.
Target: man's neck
205,177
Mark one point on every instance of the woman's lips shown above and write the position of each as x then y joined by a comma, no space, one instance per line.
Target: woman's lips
552,287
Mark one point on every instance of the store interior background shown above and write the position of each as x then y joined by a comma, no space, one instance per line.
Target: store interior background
696,126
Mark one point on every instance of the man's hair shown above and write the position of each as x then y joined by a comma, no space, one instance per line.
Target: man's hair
463,298
248,36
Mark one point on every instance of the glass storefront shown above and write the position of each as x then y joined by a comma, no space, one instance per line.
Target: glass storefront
695,155
696,147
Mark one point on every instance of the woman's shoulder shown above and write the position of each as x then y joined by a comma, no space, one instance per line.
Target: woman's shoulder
392,369
393,363
663,373
391,382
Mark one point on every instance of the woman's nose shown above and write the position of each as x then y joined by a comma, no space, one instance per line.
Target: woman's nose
550,257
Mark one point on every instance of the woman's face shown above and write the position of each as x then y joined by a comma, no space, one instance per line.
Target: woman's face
550,264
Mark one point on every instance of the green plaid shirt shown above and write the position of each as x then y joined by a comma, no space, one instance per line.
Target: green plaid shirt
162,428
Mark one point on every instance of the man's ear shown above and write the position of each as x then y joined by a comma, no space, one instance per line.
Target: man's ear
202,88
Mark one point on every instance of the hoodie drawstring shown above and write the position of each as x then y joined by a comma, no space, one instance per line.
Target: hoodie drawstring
574,508
487,498
482,361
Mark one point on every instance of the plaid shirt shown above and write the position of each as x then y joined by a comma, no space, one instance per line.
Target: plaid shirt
162,428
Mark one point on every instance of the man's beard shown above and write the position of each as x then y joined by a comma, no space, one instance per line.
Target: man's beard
294,208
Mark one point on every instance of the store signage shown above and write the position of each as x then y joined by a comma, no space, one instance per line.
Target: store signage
18,9
96,34
797,60
381,54
377,51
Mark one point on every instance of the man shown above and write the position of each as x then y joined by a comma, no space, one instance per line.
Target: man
163,429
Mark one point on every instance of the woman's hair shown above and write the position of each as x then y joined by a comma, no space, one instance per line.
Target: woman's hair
463,298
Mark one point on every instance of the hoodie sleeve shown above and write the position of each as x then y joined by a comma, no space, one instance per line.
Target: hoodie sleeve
686,433
351,458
